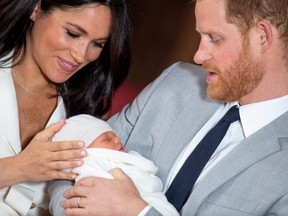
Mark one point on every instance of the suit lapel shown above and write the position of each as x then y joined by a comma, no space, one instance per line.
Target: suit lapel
256,147
189,122
8,111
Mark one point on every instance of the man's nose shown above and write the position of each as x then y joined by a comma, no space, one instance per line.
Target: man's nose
202,54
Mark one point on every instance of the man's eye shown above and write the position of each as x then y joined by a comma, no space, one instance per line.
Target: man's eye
214,39
72,34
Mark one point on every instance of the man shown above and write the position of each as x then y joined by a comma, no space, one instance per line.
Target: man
243,48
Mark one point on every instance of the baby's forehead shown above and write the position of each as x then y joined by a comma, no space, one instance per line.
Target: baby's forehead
108,133
87,127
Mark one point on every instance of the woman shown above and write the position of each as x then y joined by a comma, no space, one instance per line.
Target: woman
59,58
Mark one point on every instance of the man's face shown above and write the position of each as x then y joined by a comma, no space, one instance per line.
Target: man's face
225,54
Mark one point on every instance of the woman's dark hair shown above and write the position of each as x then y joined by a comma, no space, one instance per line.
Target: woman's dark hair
91,89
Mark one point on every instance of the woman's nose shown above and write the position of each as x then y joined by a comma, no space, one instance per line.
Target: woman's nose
78,53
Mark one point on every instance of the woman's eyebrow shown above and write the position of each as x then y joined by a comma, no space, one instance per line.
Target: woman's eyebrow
78,27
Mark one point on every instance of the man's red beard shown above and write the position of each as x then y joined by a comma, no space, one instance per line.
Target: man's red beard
241,78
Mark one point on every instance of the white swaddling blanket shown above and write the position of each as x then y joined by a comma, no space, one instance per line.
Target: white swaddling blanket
141,170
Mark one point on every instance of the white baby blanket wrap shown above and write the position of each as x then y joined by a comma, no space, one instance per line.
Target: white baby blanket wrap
141,170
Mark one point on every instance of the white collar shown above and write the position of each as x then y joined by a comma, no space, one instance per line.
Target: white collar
257,115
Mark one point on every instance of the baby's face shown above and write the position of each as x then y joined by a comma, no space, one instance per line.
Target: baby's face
107,140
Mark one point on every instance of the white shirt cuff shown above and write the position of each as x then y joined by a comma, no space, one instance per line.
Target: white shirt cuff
145,210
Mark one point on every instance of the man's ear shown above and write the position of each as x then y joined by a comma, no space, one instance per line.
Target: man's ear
265,33
35,11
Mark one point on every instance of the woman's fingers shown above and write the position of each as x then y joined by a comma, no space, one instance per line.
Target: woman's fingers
49,132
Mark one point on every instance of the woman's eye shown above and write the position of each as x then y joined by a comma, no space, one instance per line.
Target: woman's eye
72,34
99,45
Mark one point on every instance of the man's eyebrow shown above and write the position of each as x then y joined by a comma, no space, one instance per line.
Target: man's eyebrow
207,32
78,27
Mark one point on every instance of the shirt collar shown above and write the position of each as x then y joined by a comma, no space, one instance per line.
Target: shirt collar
257,115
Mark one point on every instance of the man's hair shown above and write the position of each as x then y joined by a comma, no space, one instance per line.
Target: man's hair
244,13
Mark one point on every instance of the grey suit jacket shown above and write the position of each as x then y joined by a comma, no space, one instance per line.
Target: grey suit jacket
163,119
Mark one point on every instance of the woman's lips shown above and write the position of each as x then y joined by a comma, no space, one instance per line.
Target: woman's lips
67,65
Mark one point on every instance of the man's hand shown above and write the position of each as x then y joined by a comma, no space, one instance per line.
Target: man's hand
105,197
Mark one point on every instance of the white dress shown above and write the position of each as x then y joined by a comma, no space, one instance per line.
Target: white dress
17,199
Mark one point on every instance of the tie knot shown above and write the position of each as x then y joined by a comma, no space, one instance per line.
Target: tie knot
232,115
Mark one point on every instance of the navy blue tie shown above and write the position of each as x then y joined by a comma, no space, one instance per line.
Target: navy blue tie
180,188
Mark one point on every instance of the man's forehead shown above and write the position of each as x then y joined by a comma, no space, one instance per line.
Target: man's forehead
209,13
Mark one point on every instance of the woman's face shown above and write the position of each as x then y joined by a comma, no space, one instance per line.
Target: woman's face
64,41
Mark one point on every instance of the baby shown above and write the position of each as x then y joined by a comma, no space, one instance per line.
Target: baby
105,152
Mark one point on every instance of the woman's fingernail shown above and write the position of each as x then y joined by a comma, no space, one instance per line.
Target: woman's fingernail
81,144
83,153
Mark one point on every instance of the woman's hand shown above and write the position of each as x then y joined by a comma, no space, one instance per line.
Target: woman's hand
43,160
105,197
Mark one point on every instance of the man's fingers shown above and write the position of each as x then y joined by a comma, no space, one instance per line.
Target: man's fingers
87,181
77,191
118,174
72,203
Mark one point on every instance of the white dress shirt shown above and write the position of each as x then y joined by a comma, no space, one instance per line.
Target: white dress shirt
252,118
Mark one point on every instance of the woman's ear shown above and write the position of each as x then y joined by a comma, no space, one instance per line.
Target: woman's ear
265,33
35,11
